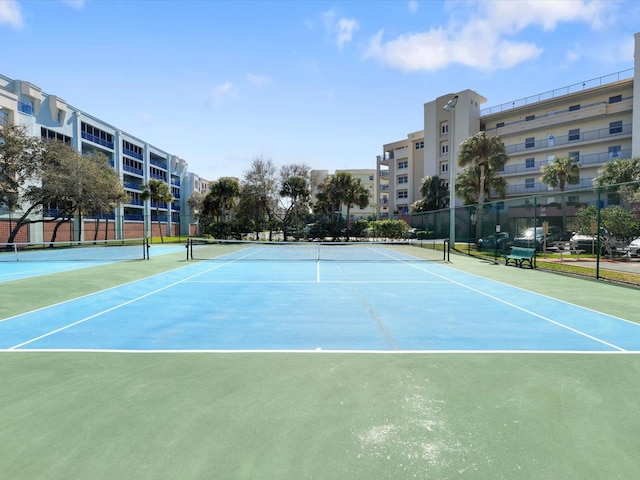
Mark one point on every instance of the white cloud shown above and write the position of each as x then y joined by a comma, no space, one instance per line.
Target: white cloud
257,80
340,29
483,37
10,14
222,92
413,6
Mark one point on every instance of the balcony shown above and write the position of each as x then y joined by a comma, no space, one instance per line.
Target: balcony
131,153
157,163
137,171
555,142
97,140
593,160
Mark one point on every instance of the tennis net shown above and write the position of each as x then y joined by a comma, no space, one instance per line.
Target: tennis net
374,251
102,250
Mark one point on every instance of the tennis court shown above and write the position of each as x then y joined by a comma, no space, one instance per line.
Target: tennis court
363,361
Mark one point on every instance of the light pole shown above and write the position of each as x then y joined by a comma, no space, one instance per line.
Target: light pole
451,107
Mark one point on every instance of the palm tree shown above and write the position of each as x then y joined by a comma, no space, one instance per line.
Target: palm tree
355,194
562,171
158,192
486,153
435,194
297,189
485,156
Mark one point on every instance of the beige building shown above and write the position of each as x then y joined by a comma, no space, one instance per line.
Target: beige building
591,121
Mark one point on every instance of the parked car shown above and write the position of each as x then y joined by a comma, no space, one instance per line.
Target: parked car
502,241
588,243
634,248
534,238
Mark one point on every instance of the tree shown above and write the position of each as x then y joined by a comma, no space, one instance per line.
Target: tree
261,184
218,205
618,171
297,189
20,171
623,177
337,190
562,171
488,155
435,195
158,192
484,157
355,195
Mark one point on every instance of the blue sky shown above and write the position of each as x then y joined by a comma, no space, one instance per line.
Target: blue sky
323,83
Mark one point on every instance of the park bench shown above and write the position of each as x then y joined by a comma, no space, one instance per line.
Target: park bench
567,247
519,255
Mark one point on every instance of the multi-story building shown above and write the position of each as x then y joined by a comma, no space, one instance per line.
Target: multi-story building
591,121
135,160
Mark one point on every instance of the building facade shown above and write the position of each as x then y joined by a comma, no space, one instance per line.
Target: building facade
591,121
135,160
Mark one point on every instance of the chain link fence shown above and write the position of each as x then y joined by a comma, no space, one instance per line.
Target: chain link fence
591,232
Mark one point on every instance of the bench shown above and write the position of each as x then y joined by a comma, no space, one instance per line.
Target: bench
519,255
567,247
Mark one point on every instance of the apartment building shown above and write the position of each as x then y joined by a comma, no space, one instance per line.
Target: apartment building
135,160
590,121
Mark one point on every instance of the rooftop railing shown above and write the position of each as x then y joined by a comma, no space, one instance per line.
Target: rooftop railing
576,87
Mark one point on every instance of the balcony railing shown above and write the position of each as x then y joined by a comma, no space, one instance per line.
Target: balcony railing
98,140
583,160
132,153
129,168
602,133
157,163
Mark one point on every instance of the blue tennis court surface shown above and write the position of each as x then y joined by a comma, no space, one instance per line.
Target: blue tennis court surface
15,270
306,305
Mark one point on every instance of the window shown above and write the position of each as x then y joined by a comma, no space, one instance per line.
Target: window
530,142
575,155
573,108
615,127
444,168
530,163
573,199
420,145
444,148
529,118
529,182
574,134
403,194
615,99
444,128
403,210
551,140
403,179
51,135
614,151
499,124
403,164
371,178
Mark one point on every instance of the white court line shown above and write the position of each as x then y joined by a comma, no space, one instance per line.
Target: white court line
322,351
522,309
57,330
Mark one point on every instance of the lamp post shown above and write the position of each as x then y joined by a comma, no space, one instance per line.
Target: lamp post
450,107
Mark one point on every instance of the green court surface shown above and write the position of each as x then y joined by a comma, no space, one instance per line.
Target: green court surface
318,415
